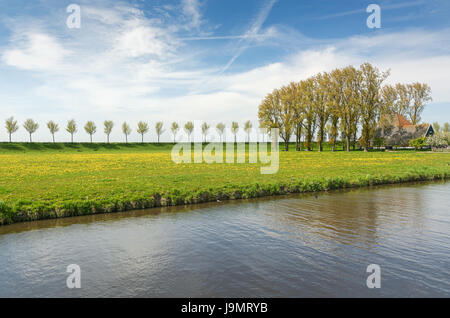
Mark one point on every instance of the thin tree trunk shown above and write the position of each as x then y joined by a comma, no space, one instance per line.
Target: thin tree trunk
319,143
142,139
10,137
91,138
347,139
71,137
30,138
298,135
53,135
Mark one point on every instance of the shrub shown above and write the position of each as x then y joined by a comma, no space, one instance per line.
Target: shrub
417,143
438,140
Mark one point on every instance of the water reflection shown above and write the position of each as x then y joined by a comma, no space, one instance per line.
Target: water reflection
294,246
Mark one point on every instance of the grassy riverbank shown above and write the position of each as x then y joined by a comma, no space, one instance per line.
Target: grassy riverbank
56,180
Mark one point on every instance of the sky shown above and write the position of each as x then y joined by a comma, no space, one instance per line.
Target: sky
201,60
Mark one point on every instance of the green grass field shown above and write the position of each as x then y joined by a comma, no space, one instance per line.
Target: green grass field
55,180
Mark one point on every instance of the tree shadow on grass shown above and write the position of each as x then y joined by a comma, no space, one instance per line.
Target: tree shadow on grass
33,146
11,146
53,146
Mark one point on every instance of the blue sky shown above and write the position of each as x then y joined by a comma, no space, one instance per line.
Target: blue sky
202,60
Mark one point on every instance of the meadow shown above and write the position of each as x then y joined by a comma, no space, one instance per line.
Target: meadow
45,180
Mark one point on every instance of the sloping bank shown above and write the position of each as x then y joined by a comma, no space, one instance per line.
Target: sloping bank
22,211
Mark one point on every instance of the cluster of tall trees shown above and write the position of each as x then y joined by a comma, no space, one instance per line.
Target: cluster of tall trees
445,127
340,103
143,128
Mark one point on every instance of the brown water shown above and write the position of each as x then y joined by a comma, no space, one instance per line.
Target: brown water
293,246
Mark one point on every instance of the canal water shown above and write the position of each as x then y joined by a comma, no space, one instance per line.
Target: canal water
291,246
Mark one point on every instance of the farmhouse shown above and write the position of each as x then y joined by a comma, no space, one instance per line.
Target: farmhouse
398,131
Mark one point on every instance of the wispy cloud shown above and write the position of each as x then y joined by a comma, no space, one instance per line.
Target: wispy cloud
253,31
191,10
392,6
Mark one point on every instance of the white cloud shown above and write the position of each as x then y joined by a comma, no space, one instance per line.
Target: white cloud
35,51
191,10
137,40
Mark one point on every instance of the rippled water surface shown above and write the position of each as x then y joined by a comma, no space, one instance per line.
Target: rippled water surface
294,246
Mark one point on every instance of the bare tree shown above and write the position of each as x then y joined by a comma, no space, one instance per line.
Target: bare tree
126,129
11,126
189,128
142,129
174,128
220,130
159,129
90,128
53,127
71,128
31,126
108,128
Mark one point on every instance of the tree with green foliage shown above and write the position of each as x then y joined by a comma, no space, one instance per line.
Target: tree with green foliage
142,129
11,126
71,128
234,129
370,101
31,126
248,129
174,128
126,129
436,127
322,105
421,94
307,88
90,128
350,111
53,127
446,127
108,128
159,129
189,128
220,130
205,128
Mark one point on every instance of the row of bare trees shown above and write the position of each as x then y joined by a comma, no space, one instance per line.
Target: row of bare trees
344,101
143,128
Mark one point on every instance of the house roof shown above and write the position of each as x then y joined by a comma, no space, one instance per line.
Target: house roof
401,121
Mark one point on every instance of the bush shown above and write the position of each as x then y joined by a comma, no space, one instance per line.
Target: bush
438,140
417,143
